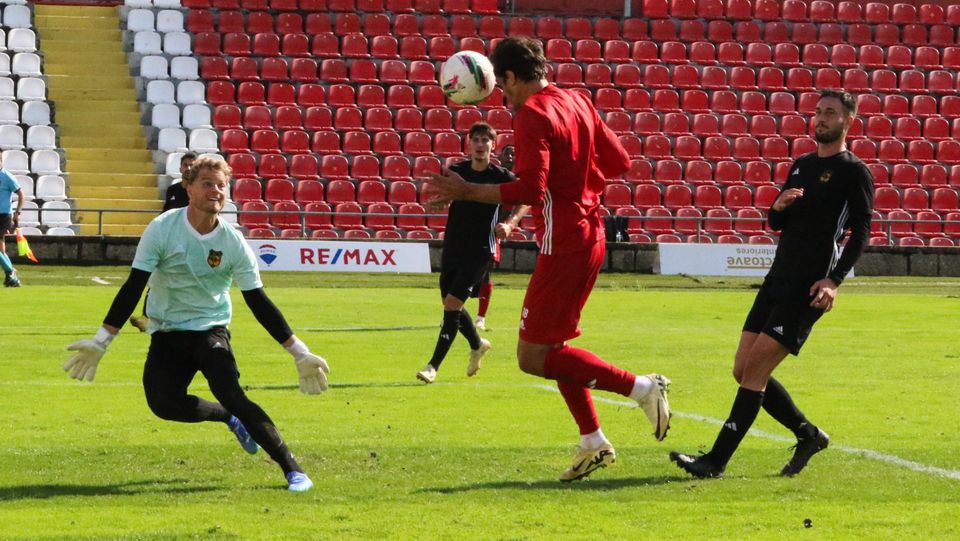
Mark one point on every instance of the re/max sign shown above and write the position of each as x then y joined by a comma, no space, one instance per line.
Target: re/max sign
342,256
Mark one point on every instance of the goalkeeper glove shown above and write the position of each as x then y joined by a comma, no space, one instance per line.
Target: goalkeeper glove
312,368
83,364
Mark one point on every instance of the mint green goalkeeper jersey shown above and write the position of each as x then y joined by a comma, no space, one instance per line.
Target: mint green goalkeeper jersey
191,273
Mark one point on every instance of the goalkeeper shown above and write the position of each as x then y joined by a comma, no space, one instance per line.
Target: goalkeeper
190,257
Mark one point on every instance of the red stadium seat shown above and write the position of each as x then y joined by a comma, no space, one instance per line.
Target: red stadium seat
647,196
707,197
716,148
758,173
246,189
728,172
279,189
668,172
765,196
254,216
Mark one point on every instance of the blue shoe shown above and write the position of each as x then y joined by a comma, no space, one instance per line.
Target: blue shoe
246,440
297,481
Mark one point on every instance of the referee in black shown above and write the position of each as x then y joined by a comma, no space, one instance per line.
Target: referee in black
468,246
826,193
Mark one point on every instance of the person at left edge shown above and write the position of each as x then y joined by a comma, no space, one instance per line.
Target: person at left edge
9,222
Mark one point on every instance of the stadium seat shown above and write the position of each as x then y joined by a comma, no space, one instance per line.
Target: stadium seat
668,172
758,173
716,149
304,167
728,172
719,222
707,197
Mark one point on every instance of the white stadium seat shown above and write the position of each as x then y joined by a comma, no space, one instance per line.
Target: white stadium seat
45,162
41,138
4,65
168,4
51,188
30,231
17,17
9,112
60,232
29,216
55,213
191,92
31,89
26,64
202,140
229,212
172,140
160,92
26,184
138,3
140,20
7,89
36,113
169,20
147,42
196,115
165,115
22,40
154,67
16,162
177,44
11,137
3,40
184,68
173,164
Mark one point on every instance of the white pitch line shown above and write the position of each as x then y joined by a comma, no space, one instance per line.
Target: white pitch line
866,453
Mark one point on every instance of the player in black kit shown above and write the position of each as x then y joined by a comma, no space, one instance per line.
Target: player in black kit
827,192
468,245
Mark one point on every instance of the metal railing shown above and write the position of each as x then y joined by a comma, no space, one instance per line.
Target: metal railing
699,230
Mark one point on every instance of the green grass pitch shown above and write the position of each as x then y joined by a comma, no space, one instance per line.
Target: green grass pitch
478,458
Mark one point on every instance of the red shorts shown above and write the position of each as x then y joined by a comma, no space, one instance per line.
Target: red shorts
558,289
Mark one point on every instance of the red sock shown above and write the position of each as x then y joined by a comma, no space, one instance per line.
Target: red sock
485,291
581,367
580,404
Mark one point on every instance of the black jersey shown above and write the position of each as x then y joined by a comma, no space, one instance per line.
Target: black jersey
176,197
837,195
469,223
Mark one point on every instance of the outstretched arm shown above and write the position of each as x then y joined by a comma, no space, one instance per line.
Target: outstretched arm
312,368
82,365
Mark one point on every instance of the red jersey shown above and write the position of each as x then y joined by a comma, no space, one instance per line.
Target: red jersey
563,154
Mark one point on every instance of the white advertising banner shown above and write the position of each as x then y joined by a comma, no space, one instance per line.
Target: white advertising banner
340,256
717,259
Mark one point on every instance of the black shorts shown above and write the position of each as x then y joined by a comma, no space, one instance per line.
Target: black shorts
175,357
485,279
460,275
6,224
782,311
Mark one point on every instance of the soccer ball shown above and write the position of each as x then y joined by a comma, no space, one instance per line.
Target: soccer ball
467,77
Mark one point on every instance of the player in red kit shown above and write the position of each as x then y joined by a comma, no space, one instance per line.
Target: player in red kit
563,154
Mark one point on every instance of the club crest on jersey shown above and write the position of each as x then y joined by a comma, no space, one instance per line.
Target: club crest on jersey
825,176
214,258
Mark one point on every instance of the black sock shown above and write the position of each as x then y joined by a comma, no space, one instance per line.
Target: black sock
777,402
468,329
744,411
448,331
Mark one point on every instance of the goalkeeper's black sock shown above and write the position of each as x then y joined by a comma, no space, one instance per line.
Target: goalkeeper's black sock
742,415
448,331
468,329
777,402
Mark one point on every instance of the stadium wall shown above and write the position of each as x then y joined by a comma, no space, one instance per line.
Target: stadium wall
516,256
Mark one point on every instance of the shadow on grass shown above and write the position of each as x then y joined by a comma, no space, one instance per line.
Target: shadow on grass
589,484
133,488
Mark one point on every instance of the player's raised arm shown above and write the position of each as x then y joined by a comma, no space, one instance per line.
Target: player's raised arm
82,365
312,368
